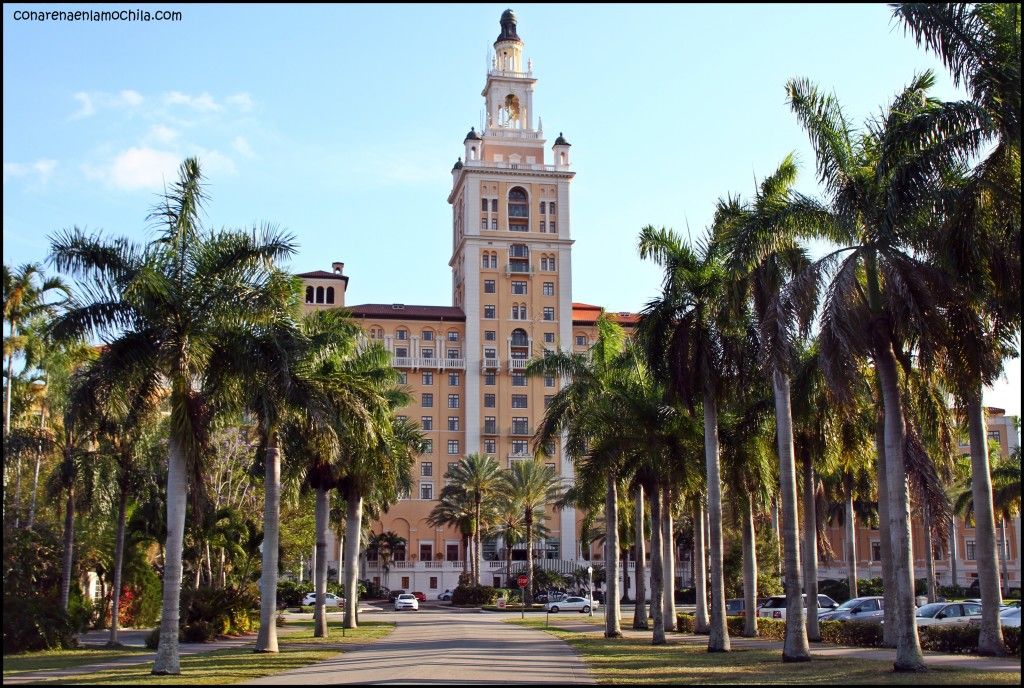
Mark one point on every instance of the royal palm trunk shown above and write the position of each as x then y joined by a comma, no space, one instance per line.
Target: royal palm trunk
122,509
353,526
612,625
851,542
990,640
953,555
810,550
657,610
718,635
639,570
528,593
266,640
929,555
749,574
885,541
320,574
668,560
167,659
69,548
795,647
700,585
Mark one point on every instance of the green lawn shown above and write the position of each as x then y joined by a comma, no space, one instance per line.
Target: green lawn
635,660
62,659
297,649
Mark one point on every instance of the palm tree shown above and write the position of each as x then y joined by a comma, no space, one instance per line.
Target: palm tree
880,296
531,485
25,294
980,243
689,333
385,546
455,508
508,521
478,475
161,308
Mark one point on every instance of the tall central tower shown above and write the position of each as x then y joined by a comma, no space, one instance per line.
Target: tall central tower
512,266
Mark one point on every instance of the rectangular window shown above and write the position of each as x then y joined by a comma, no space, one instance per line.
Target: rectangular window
519,401
490,446
483,223
401,352
494,223
520,426
551,227
453,336
428,446
426,353
403,377
490,336
489,312
489,401
484,202
549,337
426,469
401,335
489,379
426,490
518,380
433,582
454,353
490,425
581,340
994,435
543,226
451,552
549,313
428,335
453,379
494,205
453,423
543,207
551,210
969,550
428,378
427,400
876,551
520,447
518,287
453,447
549,380
489,287
547,400
549,289
427,422
453,401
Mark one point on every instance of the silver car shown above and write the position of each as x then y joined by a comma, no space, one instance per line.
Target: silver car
857,609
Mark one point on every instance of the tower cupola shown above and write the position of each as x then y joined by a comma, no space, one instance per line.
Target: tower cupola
508,49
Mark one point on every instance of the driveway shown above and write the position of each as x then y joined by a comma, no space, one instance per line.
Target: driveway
441,646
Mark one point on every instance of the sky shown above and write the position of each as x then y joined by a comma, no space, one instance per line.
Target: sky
340,124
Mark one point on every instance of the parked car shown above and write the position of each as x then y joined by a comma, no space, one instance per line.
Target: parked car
330,600
570,604
407,600
947,613
419,596
1008,616
445,596
857,609
775,607
393,594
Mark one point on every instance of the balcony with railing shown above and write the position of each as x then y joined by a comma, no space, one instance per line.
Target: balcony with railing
402,361
490,429
515,166
490,364
518,269
455,363
427,362
520,456
520,430
517,364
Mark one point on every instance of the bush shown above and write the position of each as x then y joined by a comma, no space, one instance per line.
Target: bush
869,588
218,611
955,639
34,624
1011,637
838,590
290,593
474,595
856,633
686,596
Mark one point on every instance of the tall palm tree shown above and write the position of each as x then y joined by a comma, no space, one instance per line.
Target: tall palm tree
879,296
980,243
455,509
386,545
532,486
160,309
478,475
508,521
689,332
26,293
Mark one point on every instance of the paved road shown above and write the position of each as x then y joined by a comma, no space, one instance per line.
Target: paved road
441,646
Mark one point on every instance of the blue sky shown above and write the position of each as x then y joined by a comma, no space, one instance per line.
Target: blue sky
341,123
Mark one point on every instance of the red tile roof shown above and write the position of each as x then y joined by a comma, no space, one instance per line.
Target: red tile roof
323,274
406,311
587,314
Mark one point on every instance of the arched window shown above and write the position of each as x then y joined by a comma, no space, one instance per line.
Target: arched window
330,294
319,294
520,338
309,294
376,333
518,210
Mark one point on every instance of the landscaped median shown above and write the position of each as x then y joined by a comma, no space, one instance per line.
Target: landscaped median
633,659
953,639
297,649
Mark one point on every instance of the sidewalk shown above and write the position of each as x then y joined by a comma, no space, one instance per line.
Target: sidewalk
818,650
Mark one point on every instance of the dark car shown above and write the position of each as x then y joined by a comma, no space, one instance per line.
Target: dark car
393,595
419,596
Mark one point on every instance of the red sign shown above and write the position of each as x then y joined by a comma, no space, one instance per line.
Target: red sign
522,580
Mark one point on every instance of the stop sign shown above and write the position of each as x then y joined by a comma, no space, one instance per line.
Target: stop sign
522,580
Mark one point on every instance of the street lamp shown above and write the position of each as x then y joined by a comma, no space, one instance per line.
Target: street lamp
590,589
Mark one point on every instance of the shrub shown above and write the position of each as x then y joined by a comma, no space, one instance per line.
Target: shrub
153,639
474,595
1011,637
954,639
290,593
838,590
218,611
869,587
686,596
34,624
856,633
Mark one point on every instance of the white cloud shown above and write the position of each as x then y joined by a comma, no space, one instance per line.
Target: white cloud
162,134
94,101
242,146
242,101
40,170
142,168
203,102
214,163
131,98
87,107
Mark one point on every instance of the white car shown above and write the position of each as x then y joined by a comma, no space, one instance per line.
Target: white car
947,613
775,607
1009,617
330,600
407,601
571,604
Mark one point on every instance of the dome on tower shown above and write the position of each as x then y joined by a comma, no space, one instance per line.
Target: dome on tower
458,164
560,141
472,135
508,28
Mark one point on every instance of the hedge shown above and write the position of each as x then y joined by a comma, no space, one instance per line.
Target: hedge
856,633
474,595
770,629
